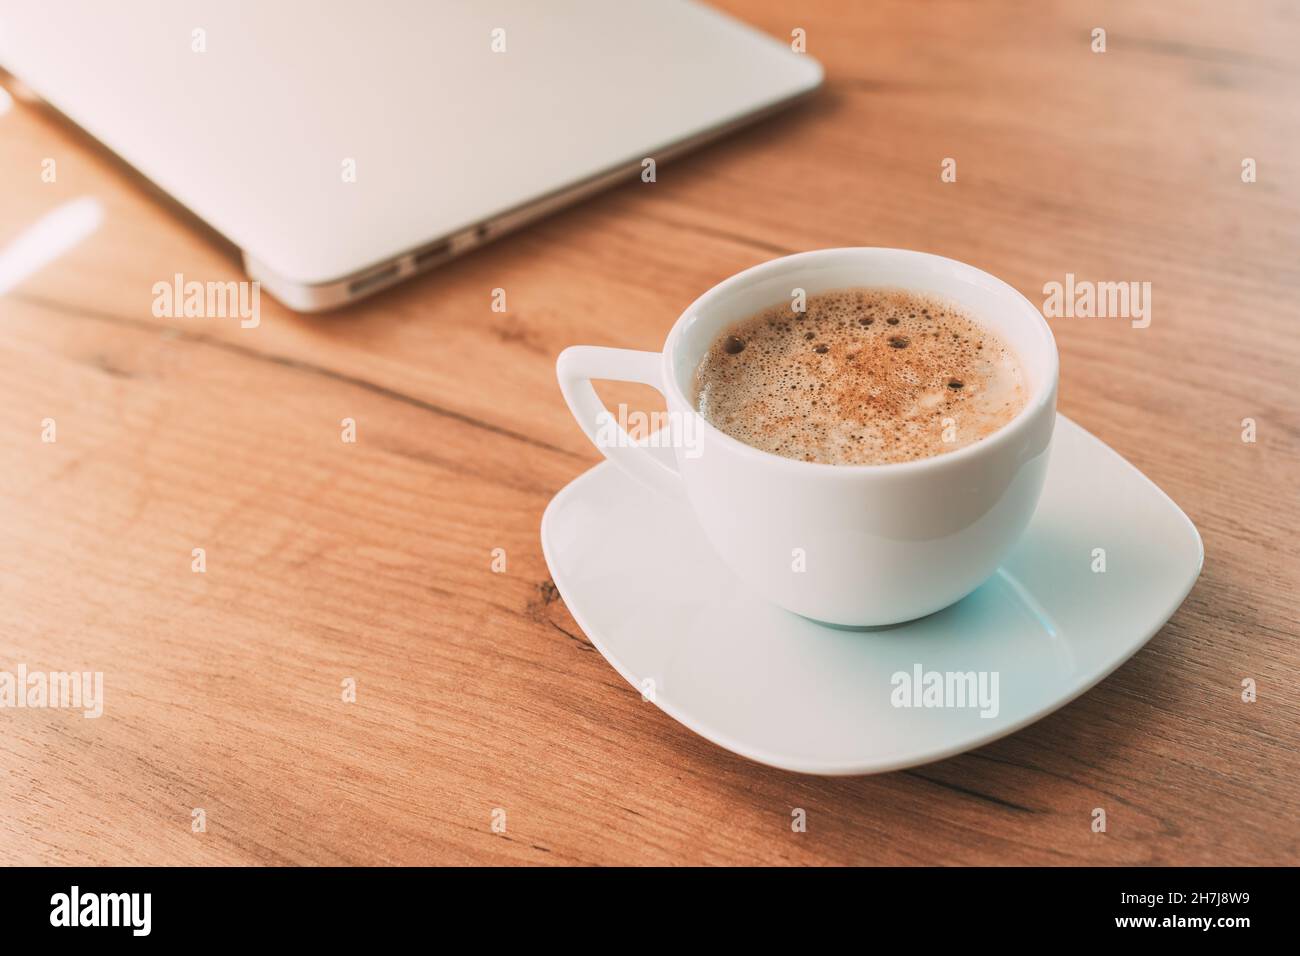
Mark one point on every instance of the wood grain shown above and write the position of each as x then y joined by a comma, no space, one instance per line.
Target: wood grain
477,690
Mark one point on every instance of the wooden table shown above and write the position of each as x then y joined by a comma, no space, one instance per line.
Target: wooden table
476,690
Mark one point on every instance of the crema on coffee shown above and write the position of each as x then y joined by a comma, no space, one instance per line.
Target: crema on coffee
862,376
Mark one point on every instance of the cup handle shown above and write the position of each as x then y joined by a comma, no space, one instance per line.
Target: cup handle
652,465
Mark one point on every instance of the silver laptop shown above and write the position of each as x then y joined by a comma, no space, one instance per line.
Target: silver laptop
344,146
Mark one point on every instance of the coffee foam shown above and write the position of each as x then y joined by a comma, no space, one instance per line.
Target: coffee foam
862,376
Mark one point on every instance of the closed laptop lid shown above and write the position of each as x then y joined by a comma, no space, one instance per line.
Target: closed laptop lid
325,137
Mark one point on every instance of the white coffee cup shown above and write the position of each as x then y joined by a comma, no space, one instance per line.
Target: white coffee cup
843,544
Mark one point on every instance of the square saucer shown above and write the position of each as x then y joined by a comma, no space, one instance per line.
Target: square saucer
644,584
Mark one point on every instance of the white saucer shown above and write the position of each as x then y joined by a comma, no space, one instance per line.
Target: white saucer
645,586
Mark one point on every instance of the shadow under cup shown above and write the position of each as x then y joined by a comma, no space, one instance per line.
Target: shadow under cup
864,545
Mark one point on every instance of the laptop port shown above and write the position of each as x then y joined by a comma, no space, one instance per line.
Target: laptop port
375,279
427,257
